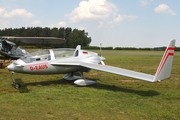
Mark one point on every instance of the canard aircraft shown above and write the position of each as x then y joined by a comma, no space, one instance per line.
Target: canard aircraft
70,61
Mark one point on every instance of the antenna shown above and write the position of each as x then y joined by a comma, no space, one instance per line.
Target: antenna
100,49
102,58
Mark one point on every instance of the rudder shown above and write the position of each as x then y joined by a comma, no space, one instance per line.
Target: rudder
164,68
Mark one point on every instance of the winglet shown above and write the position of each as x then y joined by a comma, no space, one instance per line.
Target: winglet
164,68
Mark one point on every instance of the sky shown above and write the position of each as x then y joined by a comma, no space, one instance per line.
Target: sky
112,23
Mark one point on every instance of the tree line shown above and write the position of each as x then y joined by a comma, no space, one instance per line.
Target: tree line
73,37
129,48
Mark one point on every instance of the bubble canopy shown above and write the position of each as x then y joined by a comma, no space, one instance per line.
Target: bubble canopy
48,54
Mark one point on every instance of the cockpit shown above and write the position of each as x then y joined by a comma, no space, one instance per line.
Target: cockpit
10,48
48,54
6,45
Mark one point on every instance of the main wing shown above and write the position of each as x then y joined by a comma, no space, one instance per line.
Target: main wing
119,71
111,69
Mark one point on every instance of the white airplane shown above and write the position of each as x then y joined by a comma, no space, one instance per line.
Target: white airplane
68,61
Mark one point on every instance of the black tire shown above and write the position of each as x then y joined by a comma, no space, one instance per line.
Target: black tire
17,85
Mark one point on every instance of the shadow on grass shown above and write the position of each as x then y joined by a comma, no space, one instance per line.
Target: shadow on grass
145,93
23,88
51,82
114,88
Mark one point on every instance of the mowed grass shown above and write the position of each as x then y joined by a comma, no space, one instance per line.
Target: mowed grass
49,97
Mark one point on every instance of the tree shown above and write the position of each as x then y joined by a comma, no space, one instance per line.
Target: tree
78,37
54,32
62,32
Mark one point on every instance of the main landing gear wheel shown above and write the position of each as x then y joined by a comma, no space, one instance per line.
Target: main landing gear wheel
72,76
16,85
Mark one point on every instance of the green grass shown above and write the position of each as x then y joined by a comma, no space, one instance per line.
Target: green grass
113,97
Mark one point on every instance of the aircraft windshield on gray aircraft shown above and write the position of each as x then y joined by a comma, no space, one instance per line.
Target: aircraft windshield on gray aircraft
70,61
9,49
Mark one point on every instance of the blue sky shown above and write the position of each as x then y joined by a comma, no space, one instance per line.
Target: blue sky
116,23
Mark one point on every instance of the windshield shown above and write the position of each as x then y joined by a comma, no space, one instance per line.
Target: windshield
63,52
48,54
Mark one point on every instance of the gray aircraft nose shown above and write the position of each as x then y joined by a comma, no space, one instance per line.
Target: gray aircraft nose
10,67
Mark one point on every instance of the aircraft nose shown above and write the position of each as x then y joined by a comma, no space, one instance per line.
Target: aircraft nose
10,67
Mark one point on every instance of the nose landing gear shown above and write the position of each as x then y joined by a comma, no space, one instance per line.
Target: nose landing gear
15,84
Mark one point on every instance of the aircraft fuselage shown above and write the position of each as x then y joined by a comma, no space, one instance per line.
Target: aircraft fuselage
45,68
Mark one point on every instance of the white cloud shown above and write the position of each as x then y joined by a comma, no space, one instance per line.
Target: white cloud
18,13
4,24
18,16
100,12
22,13
92,10
61,24
120,18
143,2
36,22
163,8
2,11
101,24
81,28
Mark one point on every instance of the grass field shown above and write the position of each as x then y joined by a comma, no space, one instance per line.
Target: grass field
113,97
